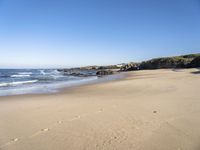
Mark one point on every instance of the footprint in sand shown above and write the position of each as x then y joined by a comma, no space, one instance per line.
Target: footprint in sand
59,122
99,111
8,143
15,140
39,132
154,111
75,118
44,130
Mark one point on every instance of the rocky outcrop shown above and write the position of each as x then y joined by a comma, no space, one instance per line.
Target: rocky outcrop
130,66
91,68
104,72
185,61
100,67
195,62
168,62
84,72
77,72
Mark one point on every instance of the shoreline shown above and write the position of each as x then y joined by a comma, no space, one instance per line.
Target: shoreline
102,80
136,112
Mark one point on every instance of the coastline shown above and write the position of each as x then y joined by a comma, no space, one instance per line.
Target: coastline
64,89
135,112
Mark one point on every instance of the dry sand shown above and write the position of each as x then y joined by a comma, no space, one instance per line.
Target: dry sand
149,110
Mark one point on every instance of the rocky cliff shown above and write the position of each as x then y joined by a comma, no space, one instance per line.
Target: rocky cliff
184,61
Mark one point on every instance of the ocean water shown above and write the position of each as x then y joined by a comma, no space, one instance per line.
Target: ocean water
36,81
27,81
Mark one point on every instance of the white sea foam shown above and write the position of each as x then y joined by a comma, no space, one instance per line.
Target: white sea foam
20,75
41,88
42,72
56,72
17,83
25,73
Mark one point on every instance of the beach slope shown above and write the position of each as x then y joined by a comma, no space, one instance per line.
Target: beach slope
148,110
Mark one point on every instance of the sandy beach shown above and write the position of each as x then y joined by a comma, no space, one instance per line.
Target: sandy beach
148,110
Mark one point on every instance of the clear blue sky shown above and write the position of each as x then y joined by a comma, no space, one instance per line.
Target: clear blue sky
66,33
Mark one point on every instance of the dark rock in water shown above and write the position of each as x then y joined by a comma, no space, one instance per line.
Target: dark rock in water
63,70
77,72
92,68
195,62
99,67
85,72
104,72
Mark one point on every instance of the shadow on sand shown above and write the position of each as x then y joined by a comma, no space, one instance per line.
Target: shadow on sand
196,72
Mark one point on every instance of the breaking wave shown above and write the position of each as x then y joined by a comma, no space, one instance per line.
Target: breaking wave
17,83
